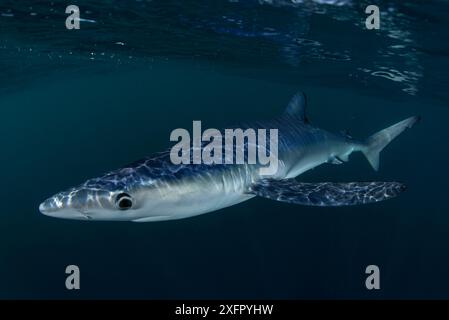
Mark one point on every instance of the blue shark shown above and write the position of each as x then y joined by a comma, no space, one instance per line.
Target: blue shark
155,189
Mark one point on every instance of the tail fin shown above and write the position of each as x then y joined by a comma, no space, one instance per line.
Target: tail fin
374,144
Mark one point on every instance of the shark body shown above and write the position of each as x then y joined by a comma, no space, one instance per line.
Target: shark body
155,189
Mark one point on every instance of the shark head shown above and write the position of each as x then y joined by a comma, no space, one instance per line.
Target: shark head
114,196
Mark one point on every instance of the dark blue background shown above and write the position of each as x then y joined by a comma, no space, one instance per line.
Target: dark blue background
65,119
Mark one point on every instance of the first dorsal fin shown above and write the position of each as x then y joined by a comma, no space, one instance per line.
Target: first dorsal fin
297,107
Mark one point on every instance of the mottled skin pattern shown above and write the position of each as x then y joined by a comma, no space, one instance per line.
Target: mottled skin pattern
155,189
327,194
156,176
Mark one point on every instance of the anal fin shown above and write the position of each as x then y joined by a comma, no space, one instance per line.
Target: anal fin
335,160
325,194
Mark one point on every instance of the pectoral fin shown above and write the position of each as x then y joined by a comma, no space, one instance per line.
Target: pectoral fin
324,194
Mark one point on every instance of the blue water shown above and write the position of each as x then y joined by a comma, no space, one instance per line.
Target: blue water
78,103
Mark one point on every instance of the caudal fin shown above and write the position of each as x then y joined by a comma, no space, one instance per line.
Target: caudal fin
374,144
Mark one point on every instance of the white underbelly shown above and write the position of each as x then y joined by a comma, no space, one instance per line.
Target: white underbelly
199,195
204,203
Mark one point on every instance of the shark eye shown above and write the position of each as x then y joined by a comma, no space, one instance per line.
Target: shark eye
124,201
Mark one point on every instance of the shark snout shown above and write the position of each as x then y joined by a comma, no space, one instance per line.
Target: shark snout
59,206
47,207
53,205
